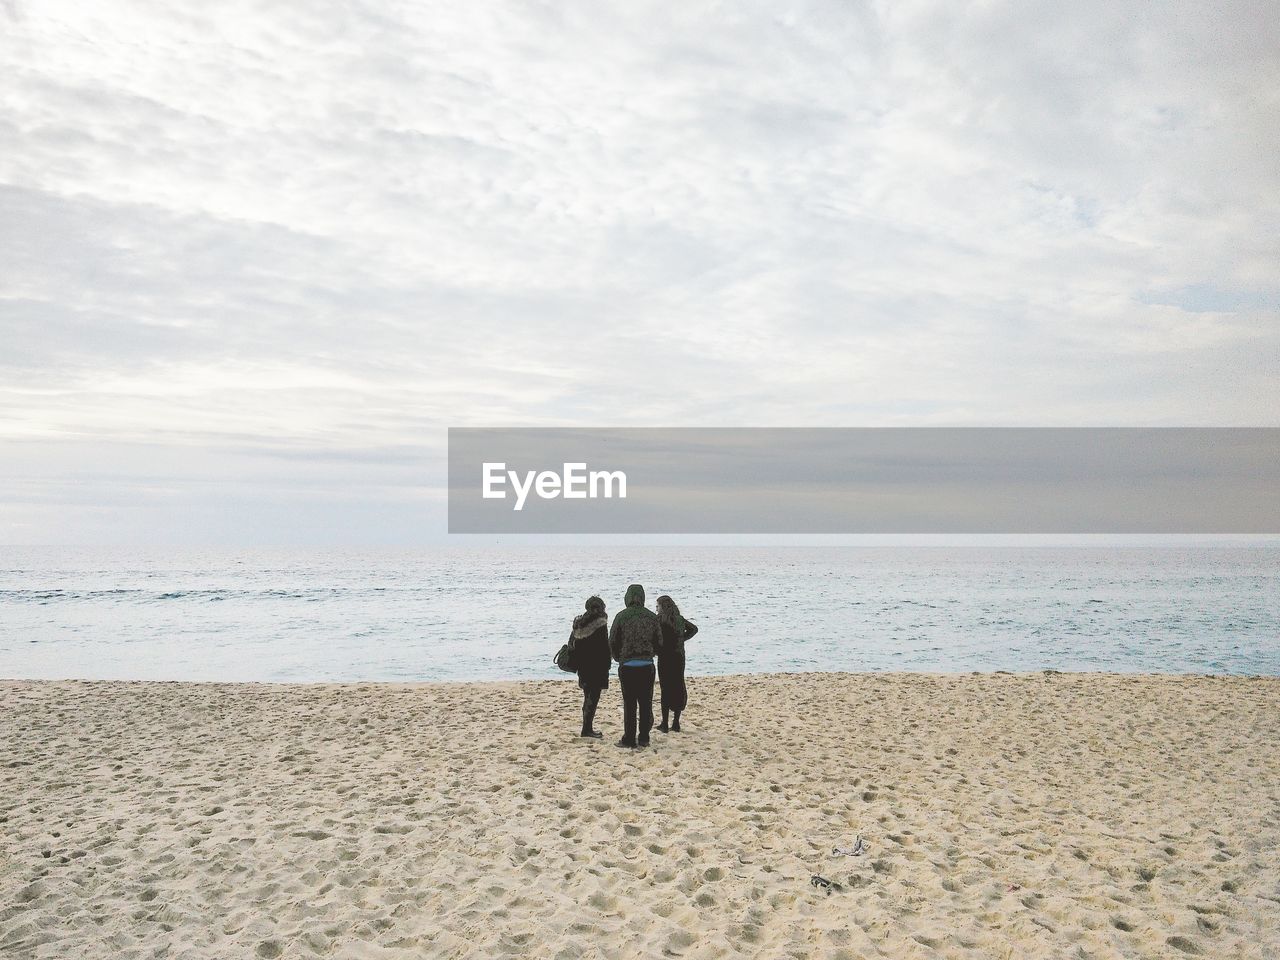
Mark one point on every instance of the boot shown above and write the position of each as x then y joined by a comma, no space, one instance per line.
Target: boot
675,724
662,727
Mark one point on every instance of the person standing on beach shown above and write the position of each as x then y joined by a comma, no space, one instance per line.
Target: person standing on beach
634,640
675,631
590,642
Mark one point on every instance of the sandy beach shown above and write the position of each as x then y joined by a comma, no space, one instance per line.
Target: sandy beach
1045,815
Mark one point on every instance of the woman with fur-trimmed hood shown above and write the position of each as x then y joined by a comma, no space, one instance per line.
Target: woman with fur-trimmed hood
590,642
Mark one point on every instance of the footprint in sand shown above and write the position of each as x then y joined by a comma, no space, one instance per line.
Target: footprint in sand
680,940
602,901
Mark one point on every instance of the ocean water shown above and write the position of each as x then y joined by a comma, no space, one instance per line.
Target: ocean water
501,613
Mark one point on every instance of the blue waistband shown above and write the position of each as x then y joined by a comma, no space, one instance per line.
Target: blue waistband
637,663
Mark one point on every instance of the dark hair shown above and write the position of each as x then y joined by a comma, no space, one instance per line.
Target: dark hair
595,604
668,612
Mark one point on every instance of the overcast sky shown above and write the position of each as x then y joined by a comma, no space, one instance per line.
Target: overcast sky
255,258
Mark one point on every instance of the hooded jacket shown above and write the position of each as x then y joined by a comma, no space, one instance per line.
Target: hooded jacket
635,634
590,641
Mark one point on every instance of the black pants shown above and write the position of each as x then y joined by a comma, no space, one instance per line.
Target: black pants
637,693
590,699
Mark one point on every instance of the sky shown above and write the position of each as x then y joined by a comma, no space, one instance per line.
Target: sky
255,259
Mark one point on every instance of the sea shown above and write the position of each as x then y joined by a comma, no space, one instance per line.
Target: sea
501,613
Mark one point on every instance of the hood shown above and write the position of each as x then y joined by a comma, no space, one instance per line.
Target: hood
635,596
585,624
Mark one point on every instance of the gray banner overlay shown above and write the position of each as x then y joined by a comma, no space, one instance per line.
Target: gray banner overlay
856,480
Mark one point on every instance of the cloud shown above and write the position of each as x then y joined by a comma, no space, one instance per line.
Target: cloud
1210,298
347,226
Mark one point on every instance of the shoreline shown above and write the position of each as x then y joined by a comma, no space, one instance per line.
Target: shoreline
1029,815
613,678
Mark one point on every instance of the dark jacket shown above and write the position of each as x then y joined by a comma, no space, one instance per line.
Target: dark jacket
673,638
635,634
590,641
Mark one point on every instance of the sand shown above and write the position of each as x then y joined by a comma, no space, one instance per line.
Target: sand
1060,815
